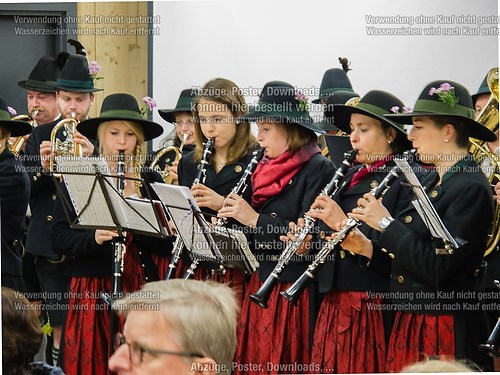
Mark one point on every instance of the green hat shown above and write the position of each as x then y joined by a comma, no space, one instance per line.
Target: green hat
120,107
447,98
484,88
184,104
45,70
334,80
15,127
338,97
75,76
375,104
280,100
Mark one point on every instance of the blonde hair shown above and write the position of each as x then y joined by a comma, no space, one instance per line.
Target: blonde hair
203,314
440,365
227,93
138,158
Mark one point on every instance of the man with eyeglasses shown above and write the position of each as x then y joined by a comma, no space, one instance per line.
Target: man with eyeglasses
177,327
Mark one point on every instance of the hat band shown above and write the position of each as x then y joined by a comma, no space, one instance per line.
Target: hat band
440,108
379,112
122,113
75,84
35,83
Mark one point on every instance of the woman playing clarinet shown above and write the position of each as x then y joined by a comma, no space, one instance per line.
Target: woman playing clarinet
217,109
434,285
285,183
120,129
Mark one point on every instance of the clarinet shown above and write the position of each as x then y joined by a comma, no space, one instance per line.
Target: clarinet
242,185
261,297
119,244
201,176
293,293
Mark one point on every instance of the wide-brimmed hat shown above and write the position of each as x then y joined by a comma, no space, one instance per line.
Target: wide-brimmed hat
447,98
338,97
334,80
280,100
15,127
184,104
45,70
75,76
375,104
121,107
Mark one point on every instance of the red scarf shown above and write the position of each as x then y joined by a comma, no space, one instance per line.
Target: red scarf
271,176
367,170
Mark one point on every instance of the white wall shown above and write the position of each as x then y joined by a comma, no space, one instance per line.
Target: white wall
253,42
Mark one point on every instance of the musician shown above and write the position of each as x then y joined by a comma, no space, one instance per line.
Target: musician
120,126
41,99
437,290
344,314
217,109
194,321
74,94
14,196
285,183
183,134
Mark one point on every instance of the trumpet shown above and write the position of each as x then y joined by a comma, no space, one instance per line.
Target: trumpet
177,154
261,297
16,146
179,244
293,293
68,147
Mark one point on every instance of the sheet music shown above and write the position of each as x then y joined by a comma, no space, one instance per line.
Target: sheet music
92,208
181,206
424,206
79,185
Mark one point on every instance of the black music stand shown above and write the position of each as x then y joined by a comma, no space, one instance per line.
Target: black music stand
98,205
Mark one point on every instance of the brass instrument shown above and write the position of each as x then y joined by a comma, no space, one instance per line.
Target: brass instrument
165,173
492,345
16,146
489,118
68,147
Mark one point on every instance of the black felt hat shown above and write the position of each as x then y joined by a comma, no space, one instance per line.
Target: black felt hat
15,127
184,104
280,100
338,97
121,107
375,104
447,98
44,71
75,76
334,80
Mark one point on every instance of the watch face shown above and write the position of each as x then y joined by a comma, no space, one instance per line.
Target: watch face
384,223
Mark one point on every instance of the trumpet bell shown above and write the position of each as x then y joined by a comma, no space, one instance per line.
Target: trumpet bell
66,146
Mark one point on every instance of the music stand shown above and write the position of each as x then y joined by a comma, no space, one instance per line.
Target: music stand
223,245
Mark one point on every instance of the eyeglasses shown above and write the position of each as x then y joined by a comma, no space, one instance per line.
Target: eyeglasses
136,351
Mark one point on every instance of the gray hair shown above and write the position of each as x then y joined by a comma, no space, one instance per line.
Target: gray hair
203,313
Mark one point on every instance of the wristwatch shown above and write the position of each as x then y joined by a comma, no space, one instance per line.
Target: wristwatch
384,223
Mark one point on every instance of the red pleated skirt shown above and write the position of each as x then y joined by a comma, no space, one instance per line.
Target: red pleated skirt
86,335
273,340
415,337
349,334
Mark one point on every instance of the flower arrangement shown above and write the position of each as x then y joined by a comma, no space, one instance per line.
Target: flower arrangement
446,93
149,105
94,69
405,109
12,111
301,98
